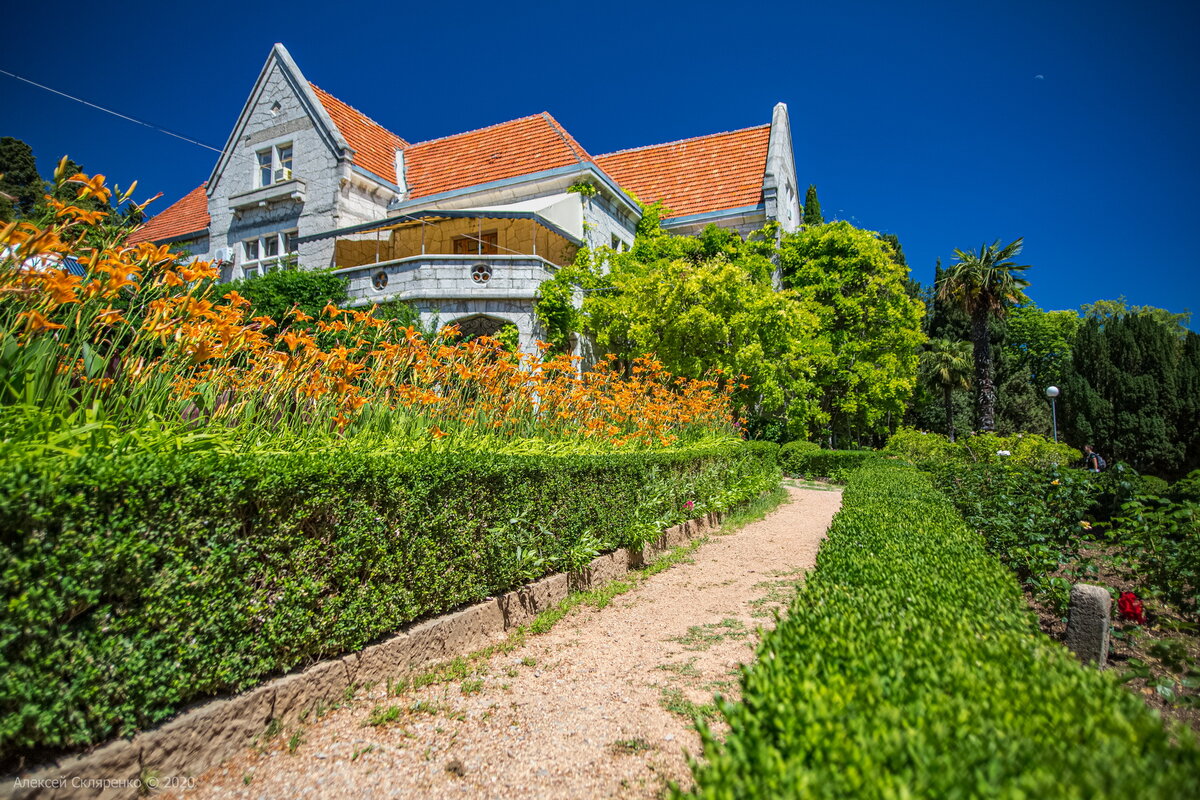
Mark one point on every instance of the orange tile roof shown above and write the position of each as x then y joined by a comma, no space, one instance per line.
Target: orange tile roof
374,145
517,147
694,176
189,214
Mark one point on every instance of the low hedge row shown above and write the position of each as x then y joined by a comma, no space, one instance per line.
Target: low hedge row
810,461
1025,449
129,588
910,666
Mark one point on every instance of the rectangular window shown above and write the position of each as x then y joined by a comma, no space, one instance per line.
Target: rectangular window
264,168
274,164
267,253
470,245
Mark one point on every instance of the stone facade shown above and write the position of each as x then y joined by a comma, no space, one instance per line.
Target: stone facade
323,193
317,212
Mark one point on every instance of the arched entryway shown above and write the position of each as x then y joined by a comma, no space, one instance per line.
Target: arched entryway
477,325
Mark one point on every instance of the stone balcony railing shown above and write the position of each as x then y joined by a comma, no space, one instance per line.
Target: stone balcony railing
448,277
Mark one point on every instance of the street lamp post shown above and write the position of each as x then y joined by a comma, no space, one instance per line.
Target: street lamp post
1052,393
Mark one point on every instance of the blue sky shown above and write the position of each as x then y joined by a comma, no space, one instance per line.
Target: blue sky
947,123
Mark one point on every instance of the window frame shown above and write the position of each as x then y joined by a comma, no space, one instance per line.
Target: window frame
264,263
275,151
489,246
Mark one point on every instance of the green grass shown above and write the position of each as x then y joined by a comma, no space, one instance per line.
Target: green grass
381,716
673,700
686,669
626,747
702,637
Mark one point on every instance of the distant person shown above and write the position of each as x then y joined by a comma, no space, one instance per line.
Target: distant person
1092,461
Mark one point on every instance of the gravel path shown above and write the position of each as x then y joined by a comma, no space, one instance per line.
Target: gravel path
598,707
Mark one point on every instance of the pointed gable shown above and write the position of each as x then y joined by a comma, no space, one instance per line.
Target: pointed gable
694,176
374,146
507,150
187,215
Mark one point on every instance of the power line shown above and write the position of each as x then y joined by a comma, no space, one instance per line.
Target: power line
114,113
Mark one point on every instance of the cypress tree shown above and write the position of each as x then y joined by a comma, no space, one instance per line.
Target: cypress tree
1125,394
20,180
812,207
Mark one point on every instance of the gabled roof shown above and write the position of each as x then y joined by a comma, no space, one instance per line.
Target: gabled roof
693,176
189,214
374,145
518,147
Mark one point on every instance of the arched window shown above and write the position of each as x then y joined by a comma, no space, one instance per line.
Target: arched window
479,325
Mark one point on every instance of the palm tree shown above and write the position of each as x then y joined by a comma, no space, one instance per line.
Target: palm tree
984,285
946,365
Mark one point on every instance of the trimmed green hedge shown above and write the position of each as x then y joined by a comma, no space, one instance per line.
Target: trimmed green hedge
130,588
1025,449
910,666
810,461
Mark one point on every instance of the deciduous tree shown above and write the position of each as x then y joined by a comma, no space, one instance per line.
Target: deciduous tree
869,322
702,303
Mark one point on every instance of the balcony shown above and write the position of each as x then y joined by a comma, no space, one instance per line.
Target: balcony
277,192
455,277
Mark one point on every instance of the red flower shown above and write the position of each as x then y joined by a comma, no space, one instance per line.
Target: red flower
1131,608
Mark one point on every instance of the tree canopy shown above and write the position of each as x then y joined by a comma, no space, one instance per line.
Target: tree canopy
19,179
869,322
985,285
1132,393
703,304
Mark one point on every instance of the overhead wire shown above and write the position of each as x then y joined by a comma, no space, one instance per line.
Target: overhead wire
135,120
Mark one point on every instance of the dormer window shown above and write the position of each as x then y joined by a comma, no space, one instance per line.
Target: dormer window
274,164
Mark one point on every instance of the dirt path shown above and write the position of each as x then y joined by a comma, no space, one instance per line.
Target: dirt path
598,707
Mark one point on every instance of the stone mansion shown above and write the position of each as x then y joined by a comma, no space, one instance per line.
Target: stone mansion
464,227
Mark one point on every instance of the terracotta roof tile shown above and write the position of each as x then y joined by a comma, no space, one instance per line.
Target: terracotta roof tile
694,176
189,214
374,145
517,147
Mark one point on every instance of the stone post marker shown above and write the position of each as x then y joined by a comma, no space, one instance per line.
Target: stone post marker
1087,623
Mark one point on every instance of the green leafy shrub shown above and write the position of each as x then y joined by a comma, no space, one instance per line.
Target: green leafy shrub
922,446
1186,488
276,293
1161,540
1026,449
909,666
1029,518
790,452
133,586
1154,486
818,463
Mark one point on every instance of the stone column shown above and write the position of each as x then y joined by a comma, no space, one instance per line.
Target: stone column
1088,623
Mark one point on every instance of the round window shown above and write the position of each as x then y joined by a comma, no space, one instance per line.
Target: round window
481,273
380,280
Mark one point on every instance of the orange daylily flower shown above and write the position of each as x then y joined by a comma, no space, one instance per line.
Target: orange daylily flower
35,322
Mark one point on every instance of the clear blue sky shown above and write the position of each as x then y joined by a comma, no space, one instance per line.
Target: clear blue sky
947,123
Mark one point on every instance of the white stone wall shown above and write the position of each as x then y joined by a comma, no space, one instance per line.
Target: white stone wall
329,195
602,220
781,190
441,288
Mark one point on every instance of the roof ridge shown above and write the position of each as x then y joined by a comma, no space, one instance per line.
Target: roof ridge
479,130
360,113
682,141
574,146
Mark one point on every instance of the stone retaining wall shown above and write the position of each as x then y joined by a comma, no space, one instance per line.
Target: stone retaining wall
208,733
